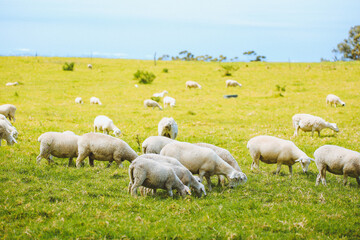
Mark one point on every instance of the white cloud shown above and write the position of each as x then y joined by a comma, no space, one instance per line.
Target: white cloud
106,54
23,49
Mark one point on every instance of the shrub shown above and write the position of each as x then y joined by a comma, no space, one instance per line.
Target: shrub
280,90
165,70
68,66
156,99
144,77
228,69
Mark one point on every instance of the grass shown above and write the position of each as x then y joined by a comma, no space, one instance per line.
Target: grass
60,202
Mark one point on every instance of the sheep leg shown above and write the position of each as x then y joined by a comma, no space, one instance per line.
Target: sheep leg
296,129
345,178
318,179
38,158
358,180
170,192
129,187
255,163
208,179
70,162
137,183
80,159
312,132
323,176
91,161
221,180
278,169
110,163
290,170
318,133
50,159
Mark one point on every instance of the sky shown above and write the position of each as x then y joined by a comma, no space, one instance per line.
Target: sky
281,30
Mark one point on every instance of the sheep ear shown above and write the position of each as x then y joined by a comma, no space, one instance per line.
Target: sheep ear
298,160
188,191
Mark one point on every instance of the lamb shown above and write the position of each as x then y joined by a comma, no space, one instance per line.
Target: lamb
273,150
333,99
151,174
182,172
95,100
12,84
232,83
151,103
98,146
337,160
154,144
13,131
8,110
61,145
167,127
79,100
307,123
5,133
105,124
169,101
89,66
160,94
202,161
192,84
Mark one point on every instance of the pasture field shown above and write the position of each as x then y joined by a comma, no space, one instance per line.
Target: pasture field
59,202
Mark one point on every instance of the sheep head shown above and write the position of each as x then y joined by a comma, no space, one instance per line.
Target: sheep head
305,162
234,179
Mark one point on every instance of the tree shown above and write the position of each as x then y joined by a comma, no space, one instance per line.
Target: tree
350,48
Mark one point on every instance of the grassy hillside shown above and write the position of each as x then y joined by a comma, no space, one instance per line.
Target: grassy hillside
54,201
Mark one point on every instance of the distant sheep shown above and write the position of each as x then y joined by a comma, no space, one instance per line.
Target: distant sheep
232,83
79,100
169,101
154,144
160,94
192,84
95,100
13,131
310,123
6,133
8,110
89,66
151,103
333,99
12,84
167,127
105,124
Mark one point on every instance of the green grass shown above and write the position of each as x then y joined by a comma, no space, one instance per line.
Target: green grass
54,201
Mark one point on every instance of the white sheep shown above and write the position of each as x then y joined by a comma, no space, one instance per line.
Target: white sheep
337,160
202,161
89,66
12,84
192,84
273,150
169,101
167,127
154,144
95,100
333,99
13,130
151,103
154,175
307,123
105,124
79,100
5,133
232,83
160,94
8,110
61,145
98,146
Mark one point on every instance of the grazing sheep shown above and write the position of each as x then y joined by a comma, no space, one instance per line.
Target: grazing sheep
169,101
136,85
182,172
61,145
8,110
160,94
192,84
202,161
273,150
79,100
307,123
12,84
5,133
151,103
154,175
154,144
337,160
105,124
98,146
167,127
232,83
89,66
13,130
333,99
95,100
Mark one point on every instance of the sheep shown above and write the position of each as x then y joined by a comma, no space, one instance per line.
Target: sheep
333,99
169,101
105,124
182,172
226,156
202,161
167,127
154,144
11,84
8,110
89,66
151,103
192,84
151,174
13,130
79,100
61,145
337,160
95,100
273,150
160,94
307,123
232,83
98,146
5,133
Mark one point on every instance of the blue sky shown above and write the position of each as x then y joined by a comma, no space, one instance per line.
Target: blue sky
281,30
